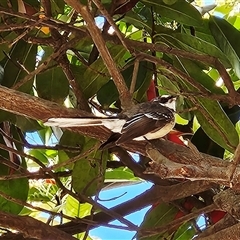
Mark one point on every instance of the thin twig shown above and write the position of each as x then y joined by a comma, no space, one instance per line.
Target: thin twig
134,76
26,144
171,68
173,224
20,36
74,159
22,203
49,22
81,197
44,65
111,22
212,61
81,99
212,121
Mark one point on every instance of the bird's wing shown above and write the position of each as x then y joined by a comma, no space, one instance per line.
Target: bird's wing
142,124
113,124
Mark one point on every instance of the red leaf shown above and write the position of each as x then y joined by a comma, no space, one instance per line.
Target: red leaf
188,206
151,92
216,215
174,136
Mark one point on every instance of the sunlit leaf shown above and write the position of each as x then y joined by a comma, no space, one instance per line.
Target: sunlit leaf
181,11
186,231
39,154
195,44
120,174
75,209
228,43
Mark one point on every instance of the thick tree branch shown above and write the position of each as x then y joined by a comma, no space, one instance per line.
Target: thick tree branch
32,107
104,52
32,228
153,195
230,233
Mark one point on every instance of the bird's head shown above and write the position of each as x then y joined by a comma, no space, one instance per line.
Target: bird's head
167,101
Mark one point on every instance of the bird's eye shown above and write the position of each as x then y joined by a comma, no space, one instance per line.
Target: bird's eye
166,99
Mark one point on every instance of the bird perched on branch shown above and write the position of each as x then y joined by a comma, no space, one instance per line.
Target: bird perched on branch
145,121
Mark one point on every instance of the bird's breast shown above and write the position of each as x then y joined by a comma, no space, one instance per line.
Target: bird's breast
158,133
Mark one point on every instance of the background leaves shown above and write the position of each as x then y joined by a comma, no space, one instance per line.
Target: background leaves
51,46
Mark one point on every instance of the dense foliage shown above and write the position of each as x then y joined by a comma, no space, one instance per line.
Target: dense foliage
71,58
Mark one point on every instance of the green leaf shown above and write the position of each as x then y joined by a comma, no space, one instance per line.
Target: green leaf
57,7
181,11
203,32
195,44
195,70
227,38
15,188
33,3
39,154
120,173
38,196
147,77
214,121
108,93
185,231
169,2
45,135
75,209
222,10
134,19
88,173
162,214
26,124
72,139
63,157
25,54
7,116
217,125
52,85
92,78
168,83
